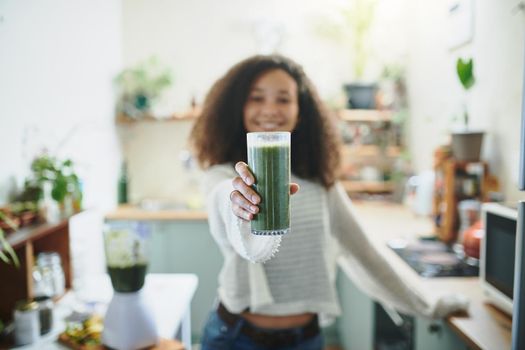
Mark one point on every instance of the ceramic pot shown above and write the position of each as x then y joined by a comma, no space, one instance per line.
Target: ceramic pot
472,239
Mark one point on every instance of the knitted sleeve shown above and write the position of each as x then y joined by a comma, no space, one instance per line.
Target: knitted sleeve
370,270
229,231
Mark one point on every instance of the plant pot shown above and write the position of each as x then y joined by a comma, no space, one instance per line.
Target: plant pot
466,145
361,95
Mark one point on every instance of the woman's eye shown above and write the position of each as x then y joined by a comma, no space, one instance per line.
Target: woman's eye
256,98
283,100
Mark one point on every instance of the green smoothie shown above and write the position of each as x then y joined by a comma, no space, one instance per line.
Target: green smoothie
270,164
127,279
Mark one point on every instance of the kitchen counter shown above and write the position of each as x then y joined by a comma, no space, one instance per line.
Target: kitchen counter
485,327
133,212
168,295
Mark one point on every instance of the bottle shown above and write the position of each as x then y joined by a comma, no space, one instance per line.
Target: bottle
27,322
123,184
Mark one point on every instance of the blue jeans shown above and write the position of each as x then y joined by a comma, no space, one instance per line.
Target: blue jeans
218,335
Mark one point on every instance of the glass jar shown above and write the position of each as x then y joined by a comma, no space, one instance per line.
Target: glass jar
27,322
51,261
43,284
45,312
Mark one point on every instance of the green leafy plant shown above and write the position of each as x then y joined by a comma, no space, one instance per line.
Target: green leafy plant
353,23
465,73
140,86
61,174
7,253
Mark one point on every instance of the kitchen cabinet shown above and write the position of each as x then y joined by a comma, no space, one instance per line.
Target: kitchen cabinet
17,282
358,324
372,143
435,334
188,247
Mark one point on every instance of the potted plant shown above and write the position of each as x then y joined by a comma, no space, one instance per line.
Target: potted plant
466,143
140,86
354,22
361,95
58,180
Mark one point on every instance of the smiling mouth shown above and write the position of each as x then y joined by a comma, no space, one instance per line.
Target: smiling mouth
269,126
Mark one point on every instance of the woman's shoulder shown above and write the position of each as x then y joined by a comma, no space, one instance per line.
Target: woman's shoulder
221,169
217,173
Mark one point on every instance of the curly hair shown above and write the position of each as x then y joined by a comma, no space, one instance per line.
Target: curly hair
219,135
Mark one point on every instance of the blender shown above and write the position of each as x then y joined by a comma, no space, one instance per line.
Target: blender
128,323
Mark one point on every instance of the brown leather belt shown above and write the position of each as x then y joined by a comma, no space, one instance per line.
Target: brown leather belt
271,338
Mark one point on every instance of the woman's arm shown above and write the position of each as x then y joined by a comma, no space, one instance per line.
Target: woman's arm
230,231
372,272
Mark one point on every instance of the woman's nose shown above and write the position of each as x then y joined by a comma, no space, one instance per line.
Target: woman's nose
269,109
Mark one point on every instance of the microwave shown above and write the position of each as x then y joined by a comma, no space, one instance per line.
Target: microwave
498,250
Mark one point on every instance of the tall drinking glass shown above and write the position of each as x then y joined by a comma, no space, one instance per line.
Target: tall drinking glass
269,161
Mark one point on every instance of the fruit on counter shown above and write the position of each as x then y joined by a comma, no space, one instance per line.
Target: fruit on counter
88,332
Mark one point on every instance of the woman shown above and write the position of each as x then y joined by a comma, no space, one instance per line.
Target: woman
278,304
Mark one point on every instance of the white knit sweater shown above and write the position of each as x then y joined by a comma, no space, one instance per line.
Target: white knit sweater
295,273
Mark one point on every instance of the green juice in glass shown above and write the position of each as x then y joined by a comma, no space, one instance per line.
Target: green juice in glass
269,161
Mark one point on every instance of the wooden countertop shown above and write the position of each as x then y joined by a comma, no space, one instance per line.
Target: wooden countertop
485,327
131,212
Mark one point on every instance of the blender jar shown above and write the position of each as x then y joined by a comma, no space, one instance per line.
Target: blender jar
126,255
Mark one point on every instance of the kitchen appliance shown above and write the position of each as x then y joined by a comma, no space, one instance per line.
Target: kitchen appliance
432,258
128,323
498,248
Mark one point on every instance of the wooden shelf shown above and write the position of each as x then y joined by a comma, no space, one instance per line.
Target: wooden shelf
131,212
19,238
369,151
368,186
447,193
364,130
17,282
365,115
190,114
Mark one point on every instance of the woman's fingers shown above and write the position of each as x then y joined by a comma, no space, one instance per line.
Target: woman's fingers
246,191
244,198
241,212
244,172
238,199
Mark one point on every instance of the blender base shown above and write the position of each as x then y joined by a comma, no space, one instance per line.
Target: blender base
129,323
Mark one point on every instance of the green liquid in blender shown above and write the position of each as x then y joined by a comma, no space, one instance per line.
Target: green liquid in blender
270,165
127,279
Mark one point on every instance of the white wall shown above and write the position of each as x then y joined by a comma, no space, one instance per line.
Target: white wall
201,39
57,61
495,102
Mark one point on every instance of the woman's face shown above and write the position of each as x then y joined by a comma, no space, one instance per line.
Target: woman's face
272,103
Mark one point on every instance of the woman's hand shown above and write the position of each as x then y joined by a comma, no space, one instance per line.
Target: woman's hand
244,198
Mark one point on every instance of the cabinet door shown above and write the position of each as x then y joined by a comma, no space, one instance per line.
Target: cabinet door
436,335
188,247
356,323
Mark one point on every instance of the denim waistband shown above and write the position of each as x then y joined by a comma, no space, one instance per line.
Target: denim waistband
271,338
